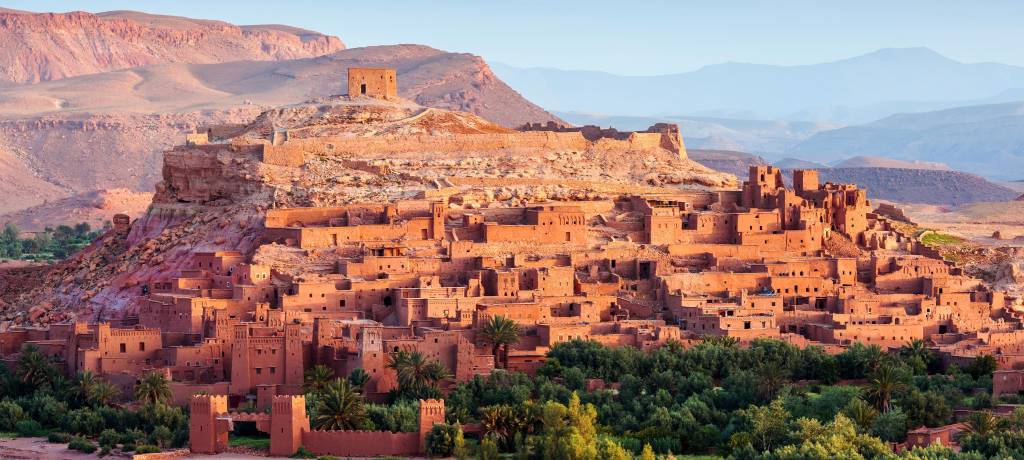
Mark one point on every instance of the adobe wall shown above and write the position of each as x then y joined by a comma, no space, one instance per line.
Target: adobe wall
361,443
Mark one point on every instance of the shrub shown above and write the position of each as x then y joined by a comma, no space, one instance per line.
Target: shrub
146,449
303,453
58,437
83,421
160,436
104,451
10,414
28,428
109,438
82,445
127,447
441,440
488,449
327,457
132,436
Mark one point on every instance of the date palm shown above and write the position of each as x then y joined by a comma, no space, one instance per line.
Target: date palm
33,367
339,407
103,393
415,372
885,382
981,423
153,389
502,333
358,378
316,378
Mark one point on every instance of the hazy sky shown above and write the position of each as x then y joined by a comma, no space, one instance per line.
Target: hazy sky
630,37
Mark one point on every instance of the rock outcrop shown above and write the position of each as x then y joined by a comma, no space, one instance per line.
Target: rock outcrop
51,46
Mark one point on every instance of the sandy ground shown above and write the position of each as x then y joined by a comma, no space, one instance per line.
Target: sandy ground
38,448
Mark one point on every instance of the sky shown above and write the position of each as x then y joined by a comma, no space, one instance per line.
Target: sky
630,38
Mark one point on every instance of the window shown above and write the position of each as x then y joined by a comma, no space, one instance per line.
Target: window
142,346
124,348
259,371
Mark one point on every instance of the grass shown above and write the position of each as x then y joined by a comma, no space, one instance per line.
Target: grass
251,442
932,239
8,434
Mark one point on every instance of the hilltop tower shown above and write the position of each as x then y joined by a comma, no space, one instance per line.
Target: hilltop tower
372,82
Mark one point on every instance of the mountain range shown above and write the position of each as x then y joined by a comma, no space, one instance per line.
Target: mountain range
847,91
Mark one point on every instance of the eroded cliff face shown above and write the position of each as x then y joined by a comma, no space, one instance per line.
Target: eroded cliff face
52,46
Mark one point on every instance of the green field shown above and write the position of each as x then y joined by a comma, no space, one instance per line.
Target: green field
252,442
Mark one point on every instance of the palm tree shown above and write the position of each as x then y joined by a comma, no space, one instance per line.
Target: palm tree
316,378
917,351
861,413
502,333
33,367
981,423
340,407
885,382
771,380
415,372
358,378
85,385
103,393
720,340
153,389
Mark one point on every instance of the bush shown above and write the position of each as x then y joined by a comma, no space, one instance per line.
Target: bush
303,453
441,440
109,438
127,447
10,414
28,428
84,422
104,451
147,449
82,445
57,437
488,449
327,457
132,436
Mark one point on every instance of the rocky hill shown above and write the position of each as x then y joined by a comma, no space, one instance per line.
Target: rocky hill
214,196
95,208
107,130
51,46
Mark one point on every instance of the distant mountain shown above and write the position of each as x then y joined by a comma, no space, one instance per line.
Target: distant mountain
853,90
729,161
50,46
984,139
882,162
929,186
761,136
796,163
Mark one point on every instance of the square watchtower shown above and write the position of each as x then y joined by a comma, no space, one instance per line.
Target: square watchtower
378,83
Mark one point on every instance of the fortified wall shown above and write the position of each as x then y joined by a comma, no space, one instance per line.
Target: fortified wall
660,136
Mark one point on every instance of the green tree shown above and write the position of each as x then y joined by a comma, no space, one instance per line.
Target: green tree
981,423
890,426
33,368
861,413
766,427
316,378
608,449
883,384
340,407
358,378
501,333
417,376
153,389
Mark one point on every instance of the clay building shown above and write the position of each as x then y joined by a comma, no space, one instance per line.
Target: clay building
372,82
